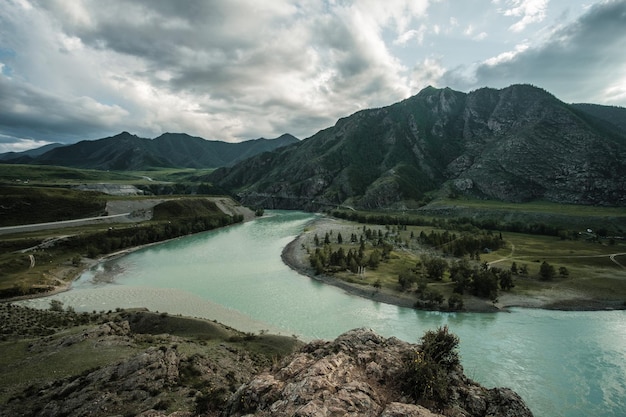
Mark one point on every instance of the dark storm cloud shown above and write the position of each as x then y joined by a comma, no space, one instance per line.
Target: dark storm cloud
577,61
26,112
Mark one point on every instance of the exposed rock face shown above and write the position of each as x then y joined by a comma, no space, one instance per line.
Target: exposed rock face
111,189
359,374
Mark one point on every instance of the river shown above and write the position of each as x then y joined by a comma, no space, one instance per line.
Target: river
563,364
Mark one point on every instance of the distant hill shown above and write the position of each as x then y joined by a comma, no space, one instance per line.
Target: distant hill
29,154
124,152
519,143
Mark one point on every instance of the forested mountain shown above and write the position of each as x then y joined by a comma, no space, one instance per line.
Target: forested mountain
124,152
515,144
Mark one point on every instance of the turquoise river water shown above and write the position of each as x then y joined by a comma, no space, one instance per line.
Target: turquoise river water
563,364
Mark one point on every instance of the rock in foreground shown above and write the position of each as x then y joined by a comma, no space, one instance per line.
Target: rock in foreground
362,374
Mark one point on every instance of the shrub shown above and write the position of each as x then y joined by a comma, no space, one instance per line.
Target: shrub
56,305
546,271
427,374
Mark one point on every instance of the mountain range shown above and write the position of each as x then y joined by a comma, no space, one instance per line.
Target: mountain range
516,144
127,152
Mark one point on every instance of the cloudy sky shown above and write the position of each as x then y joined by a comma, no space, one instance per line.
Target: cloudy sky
242,69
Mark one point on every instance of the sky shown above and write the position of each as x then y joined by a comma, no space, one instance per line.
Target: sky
235,70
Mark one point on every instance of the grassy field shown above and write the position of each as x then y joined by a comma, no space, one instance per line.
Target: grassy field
27,205
534,206
16,174
610,220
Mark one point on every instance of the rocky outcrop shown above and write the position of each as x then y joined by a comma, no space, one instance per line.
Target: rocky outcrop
127,365
360,374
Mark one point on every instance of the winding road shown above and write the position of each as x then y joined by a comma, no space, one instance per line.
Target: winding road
65,223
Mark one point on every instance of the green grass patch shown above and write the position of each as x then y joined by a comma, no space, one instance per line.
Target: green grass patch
22,367
17,174
185,208
533,206
27,205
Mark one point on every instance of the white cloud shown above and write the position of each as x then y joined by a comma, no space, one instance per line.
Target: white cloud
417,34
529,11
19,145
615,93
481,36
506,56
427,72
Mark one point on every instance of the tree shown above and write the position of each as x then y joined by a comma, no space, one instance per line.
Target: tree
435,267
455,302
485,284
546,271
506,280
406,279
563,271
339,238
374,259
514,270
432,297
353,265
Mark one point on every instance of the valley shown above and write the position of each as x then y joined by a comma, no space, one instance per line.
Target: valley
430,209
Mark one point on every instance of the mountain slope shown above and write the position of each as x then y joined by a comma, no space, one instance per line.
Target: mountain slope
129,152
515,144
612,114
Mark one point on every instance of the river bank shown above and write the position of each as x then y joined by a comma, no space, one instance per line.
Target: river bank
295,255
